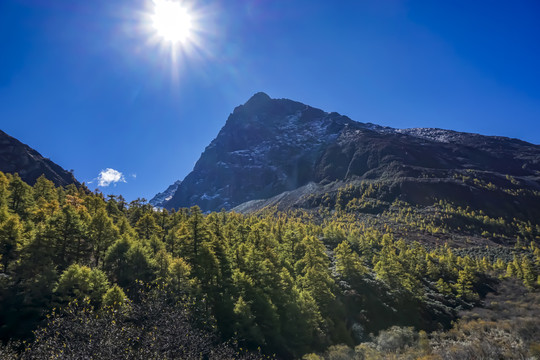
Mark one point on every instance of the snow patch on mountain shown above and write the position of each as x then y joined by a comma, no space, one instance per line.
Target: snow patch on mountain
162,197
438,135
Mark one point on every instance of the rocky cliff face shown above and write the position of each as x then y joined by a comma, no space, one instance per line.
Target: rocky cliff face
272,146
266,147
16,157
161,198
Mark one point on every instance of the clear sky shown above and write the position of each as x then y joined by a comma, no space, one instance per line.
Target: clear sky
90,85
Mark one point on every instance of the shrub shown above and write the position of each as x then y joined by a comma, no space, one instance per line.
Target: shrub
396,338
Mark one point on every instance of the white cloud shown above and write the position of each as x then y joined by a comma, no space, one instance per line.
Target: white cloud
134,176
110,176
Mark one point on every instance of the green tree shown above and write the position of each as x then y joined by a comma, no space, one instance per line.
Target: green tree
348,263
156,245
529,275
115,298
127,261
68,231
162,261
465,284
299,316
511,270
102,233
314,274
172,242
4,191
44,189
179,277
80,282
443,287
11,233
36,270
140,264
191,235
246,325
146,226
432,270
116,261
20,198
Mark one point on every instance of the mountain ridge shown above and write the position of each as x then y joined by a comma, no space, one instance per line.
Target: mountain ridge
165,195
17,157
271,146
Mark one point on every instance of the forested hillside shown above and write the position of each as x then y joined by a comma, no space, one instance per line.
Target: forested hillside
84,275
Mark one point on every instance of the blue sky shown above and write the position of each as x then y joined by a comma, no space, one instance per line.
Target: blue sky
86,84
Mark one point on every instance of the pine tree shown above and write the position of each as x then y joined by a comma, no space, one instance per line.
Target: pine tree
20,198
162,261
36,269
102,234
179,277
115,299
314,274
155,245
112,208
511,270
192,234
245,324
140,264
11,232
465,284
44,189
79,282
116,261
127,261
529,275
443,287
432,270
68,230
172,241
348,263
146,226
4,191
517,267
499,264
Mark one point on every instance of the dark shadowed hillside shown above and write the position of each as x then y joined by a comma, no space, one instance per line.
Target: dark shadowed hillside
16,157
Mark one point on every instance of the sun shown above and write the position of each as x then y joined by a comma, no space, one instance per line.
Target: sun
172,21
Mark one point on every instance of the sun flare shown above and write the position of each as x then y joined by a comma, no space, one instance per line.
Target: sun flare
172,21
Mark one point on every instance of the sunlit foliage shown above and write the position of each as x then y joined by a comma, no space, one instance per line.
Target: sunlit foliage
287,284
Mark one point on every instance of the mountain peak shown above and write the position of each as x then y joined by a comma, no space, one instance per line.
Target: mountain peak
260,96
161,198
258,100
271,146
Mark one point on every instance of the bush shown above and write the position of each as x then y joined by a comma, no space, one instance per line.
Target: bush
339,352
151,329
396,338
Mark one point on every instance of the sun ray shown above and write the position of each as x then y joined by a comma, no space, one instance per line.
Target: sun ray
178,33
172,21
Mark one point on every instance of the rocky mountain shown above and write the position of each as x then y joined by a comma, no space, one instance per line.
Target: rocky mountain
16,157
160,198
284,153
